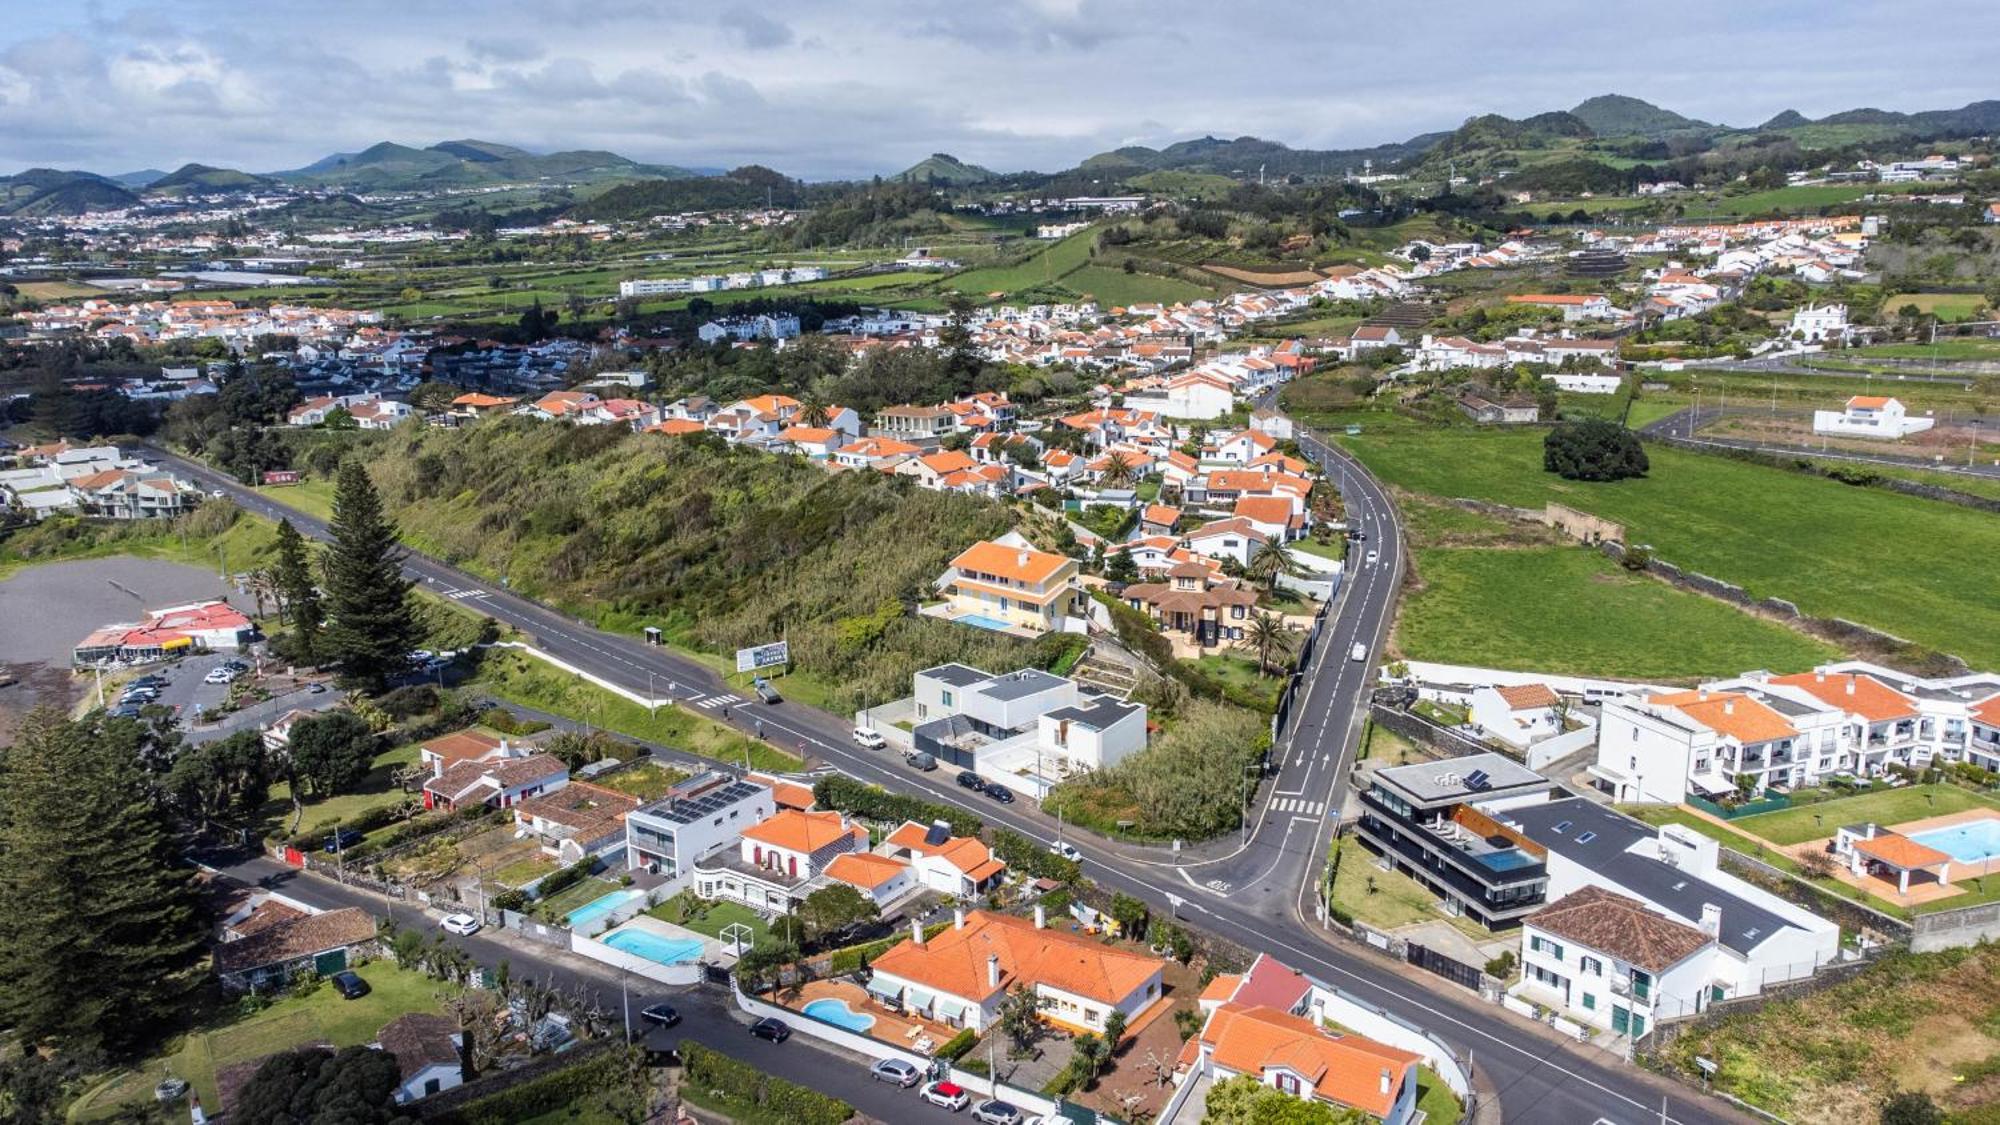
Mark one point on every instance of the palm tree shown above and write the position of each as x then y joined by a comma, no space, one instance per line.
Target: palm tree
813,411
1267,635
1117,470
1272,561
261,585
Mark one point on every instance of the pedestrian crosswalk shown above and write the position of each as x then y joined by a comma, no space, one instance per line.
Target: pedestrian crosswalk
458,595
1297,805
713,701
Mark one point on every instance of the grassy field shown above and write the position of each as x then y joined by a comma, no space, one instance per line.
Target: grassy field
1756,849
1832,549
1887,807
1388,899
313,497
376,790
1958,347
1109,286
290,1022
648,781
1043,268
56,290
1571,610
1945,306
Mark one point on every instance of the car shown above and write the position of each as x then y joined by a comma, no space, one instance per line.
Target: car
969,780
950,1095
1372,556
1067,851
149,681
765,691
315,689
422,656
342,839
216,493
349,984
993,1111
460,924
868,738
771,1028
1358,653
143,695
660,1015
1000,793
919,760
124,711
902,1073
236,665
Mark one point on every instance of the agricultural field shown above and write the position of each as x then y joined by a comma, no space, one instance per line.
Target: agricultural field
56,290
1947,307
1768,530
1110,286
1045,267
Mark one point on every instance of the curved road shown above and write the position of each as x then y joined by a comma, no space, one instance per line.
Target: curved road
1258,893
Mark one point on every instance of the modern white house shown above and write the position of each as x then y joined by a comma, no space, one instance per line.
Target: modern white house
1870,416
695,819
1198,395
1604,960
1026,729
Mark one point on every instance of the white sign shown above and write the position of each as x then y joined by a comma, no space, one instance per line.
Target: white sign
762,656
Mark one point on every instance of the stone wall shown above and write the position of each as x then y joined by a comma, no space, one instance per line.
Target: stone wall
1581,526
1949,929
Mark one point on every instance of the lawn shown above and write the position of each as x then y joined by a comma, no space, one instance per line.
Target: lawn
580,893
1110,286
524,871
1388,900
1335,551
1947,307
1832,549
648,781
1435,1100
1571,610
313,497
1239,673
375,790
1043,268
712,920
290,1022
522,679
1887,807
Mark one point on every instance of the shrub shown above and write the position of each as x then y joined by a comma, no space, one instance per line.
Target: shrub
850,958
709,1070
544,1094
413,699
956,1047
568,877
1593,449
869,802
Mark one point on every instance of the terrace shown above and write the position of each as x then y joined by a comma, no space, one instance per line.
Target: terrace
892,1024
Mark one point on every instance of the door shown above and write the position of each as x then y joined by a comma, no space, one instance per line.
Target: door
330,962
1621,1019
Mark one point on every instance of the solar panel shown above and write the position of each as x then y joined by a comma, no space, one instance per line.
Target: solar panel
937,834
1477,779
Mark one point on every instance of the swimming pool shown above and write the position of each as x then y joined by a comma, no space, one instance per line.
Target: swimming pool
837,1013
1507,860
582,917
653,947
981,621
1971,842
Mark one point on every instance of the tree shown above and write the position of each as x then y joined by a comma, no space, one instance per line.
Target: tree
1244,1100
317,1086
329,753
761,962
298,594
263,587
229,778
1118,470
1020,1019
1267,635
813,410
340,418
1593,449
1911,1107
1087,1057
371,627
1114,1029
101,941
1119,567
1131,914
833,909
1271,561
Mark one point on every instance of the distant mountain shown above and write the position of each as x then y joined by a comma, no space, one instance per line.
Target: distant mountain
139,179
944,168
1615,115
1789,119
389,166
750,186
1243,157
203,179
44,192
481,152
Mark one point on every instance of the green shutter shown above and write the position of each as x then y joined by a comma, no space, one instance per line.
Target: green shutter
1589,1001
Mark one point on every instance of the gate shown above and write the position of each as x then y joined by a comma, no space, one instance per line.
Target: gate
1451,969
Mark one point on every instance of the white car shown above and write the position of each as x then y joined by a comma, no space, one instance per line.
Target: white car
459,924
868,738
220,676
1067,851
1372,556
950,1095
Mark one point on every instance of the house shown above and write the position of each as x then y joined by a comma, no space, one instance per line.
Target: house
778,859
133,494
1236,538
498,783
883,879
960,866
1661,748
1438,822
1517,714
695,819
1819,324
576,820
1573,306
1194,601
923,424
960,976
1870,416
1282,517
1486,407
1604,960
1158,519
816,442
426,1047
1197,395
1370,337
319,943
931,469
476,405
1005,585
1023,729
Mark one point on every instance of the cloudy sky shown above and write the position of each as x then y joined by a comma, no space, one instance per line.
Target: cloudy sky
822,89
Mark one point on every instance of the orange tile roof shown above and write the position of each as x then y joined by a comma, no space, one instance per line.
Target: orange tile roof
966,853
947,461
1019,564
1869,402
1524,697
1988,712
811,435
676,426
770,404
1900,851
804,832
479,401
878,447
1730,713
786,794
1162,514
464,745
954,962
1865,696
1345,1069
1265,509
1222,987
864,869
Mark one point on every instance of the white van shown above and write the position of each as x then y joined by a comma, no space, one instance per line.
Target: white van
1358,653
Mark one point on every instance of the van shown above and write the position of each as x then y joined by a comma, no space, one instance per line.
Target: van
920,760
1358,653
765,691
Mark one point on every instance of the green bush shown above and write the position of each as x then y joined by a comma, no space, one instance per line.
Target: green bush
742,1084
1032,859
956,1047
560,881
545,1094
848,959
869,802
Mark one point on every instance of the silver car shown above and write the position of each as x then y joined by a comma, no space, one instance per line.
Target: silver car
901,1073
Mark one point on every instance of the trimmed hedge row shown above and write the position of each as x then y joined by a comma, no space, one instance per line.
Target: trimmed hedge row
1030,858
849,959
956,1047
546,1094
555,884
710,1070
868,802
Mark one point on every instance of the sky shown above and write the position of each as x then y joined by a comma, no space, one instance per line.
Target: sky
823,89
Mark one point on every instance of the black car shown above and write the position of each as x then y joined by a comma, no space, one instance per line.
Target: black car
124,711
776,1030
350,985
1000,793
969,780
660,1015
342,839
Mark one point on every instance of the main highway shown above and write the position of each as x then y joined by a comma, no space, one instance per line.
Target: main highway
1257,891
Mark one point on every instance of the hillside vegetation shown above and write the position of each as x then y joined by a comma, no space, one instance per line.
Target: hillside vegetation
722,548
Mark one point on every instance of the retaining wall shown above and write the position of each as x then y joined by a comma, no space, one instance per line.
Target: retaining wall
687,974
1949,929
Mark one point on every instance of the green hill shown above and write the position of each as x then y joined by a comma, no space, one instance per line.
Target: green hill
389,166
1615,115
1788,119
944,168
73,197
204,179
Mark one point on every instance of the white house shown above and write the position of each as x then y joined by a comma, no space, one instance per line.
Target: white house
959,866
1604,960
1818,324
1196,394
1517,714
695,819
1870,416
426,1047
1096,732
777,857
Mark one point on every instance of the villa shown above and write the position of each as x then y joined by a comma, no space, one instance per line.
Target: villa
1007,586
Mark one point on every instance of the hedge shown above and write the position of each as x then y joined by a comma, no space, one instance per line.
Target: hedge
708,1070
956,1047
560,881
546,1094
848,959
1034,860
847,795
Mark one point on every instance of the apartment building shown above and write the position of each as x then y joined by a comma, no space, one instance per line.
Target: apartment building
1441,823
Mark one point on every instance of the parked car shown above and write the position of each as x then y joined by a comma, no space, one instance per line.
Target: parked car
349,984
342,839
868,738
152,680
219,676
901,1073
1067,851
316,689
660,1015
765,691
920,760
969,780
772,1028
950,1095
1000,792
459,924
993,1111
124,711
143,695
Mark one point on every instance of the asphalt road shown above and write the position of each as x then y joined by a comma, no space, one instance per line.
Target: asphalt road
1258,892
1686,425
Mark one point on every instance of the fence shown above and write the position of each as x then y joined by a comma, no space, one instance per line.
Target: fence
1295,681
1771,801
533,930
1418,729
1451,969
1949,929
1846,912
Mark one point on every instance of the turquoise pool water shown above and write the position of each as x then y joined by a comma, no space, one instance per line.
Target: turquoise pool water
980,620
596,908
1971,842
653,947
837,1013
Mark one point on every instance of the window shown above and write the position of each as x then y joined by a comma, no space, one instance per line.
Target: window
945,696
1543,945
1589,1001
1593,966
1642,985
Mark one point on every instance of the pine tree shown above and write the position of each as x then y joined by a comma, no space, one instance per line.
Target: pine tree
299,594
371,627
101,941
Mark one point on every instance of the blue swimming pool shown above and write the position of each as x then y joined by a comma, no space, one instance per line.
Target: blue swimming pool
1971,842
981,621
582,917
837,1013
653,947
1507,860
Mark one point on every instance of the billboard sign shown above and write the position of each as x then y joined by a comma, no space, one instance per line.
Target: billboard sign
281,476
763,656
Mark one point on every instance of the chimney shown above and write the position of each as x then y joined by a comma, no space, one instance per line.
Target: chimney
1711,919
1385,1079
1819,675
1729,706
1850,685
1022,559
917,930
1041,917
958,917
993,970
